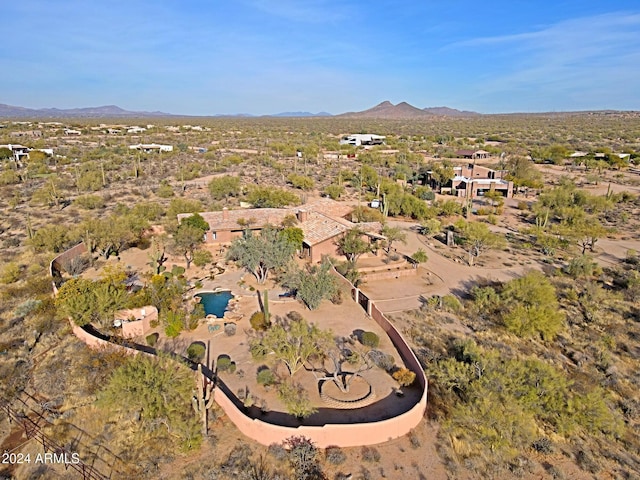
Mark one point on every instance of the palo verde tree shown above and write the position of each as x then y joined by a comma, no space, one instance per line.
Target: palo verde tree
313,284
393,234
291,342
260,254
221,188
530,307
189,236
352,245
478,238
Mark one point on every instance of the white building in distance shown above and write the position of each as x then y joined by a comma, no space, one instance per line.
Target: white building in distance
358,139
151,147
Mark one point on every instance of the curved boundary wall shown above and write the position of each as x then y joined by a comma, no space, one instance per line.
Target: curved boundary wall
340,435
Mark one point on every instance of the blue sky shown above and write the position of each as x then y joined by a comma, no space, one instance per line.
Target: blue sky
206,57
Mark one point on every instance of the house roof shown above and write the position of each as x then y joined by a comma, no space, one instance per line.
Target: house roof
260,217
324,219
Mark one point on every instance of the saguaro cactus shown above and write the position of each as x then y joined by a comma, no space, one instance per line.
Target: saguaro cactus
265,305
202,400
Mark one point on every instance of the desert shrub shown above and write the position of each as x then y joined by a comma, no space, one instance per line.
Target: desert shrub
420,256
583,266
76,265
337,299
424,193
259,322
334,455
224,364
230,329
542,445
370,339
370,454
239,460
152,339
89,202
265,377
27,307
482,211
404,377
303,458
196,352
522,205
202,258
174,323
414,440
451,303
382,360
334,191
294,316
10,273
295,399
165,190
277,451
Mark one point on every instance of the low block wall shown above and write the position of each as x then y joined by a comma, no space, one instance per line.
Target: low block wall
391,273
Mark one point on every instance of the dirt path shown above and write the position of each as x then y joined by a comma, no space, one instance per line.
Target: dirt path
439,276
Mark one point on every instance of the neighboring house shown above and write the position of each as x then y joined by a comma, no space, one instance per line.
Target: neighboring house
362,139
27,133
19,151
69,131
472,154
322,223
151,147
136,130
475,180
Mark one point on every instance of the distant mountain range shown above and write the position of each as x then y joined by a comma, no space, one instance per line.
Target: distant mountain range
111,111
403,110
385,110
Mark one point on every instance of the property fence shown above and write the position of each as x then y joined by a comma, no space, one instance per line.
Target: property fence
60,454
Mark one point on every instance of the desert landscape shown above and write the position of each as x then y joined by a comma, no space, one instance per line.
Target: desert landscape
494,256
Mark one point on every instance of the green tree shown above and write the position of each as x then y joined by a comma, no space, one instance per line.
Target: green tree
262,253
352,245
156,393
442,173
300,181
530,307
269,197
293,235
334,191
523,173
478,238
224,187
313,284
75,300
393,234
187,239
295,399
292,343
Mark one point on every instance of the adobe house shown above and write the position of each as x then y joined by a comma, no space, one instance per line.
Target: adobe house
322,222
135,322
472,154
478,179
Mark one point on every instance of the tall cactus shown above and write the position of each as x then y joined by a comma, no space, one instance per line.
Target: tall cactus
265,306
202,400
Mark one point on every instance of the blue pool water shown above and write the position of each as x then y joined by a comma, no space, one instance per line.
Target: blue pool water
215,303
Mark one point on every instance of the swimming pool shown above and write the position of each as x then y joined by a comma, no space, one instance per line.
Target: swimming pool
215,303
